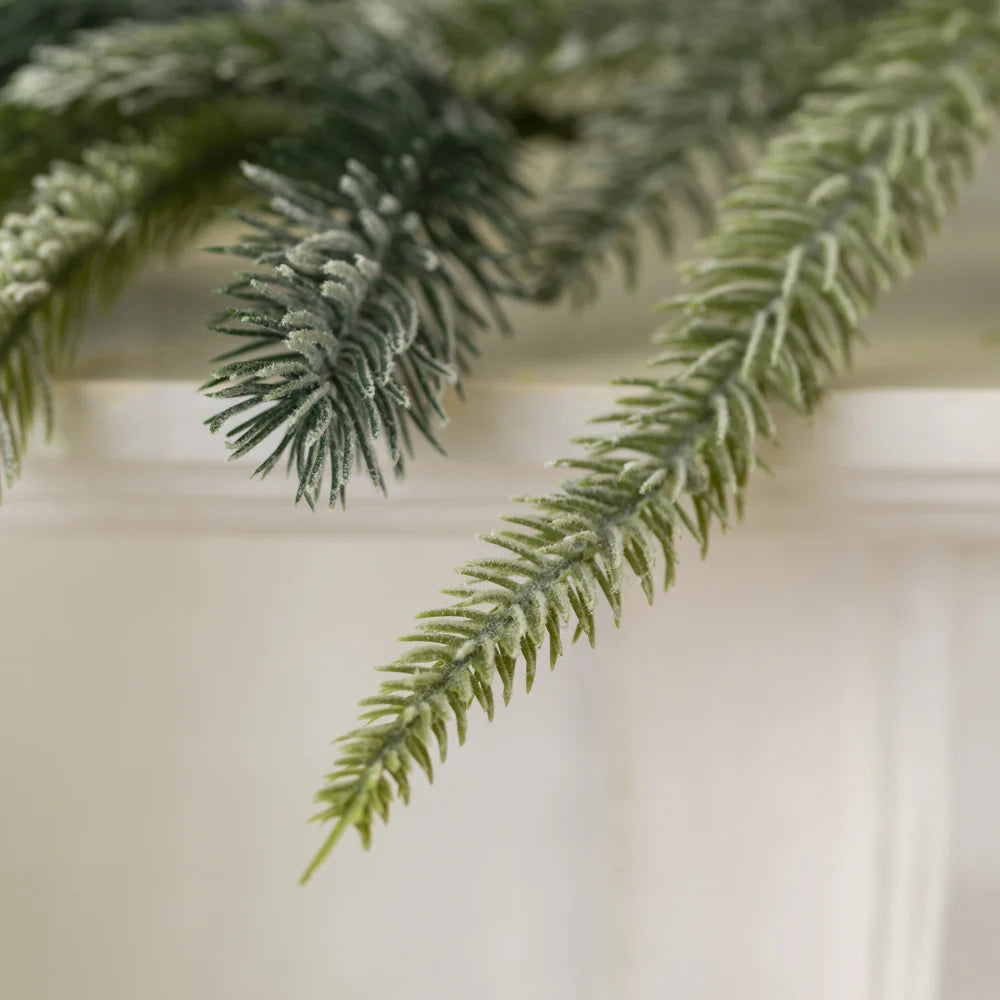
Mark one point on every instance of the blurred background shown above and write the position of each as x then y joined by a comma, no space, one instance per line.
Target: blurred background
802,804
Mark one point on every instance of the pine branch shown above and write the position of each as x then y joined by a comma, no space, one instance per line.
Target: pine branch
373,279
89,226
134,67
552,53
581,54
129,75
837,210
25,23
32,136
644,164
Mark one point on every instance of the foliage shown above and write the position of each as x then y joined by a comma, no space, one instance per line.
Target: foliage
24,25
651,159
837,210
161,113
33,135
87,227
376,148
551,51
371,285
134,67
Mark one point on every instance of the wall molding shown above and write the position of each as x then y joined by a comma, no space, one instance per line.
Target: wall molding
133,456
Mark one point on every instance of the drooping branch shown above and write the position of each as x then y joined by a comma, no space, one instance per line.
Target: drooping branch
837,210
134,66
660,154
131,74
374,276
89,225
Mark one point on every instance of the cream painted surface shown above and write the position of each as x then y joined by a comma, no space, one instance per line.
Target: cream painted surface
688,811
798,803
168,706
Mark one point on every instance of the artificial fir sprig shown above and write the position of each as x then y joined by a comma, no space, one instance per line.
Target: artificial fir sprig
656,157
87,228
374,275
34,135
105,83
557,54
837,210
133,67
26,23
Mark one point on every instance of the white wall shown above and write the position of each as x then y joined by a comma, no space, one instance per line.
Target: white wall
799,803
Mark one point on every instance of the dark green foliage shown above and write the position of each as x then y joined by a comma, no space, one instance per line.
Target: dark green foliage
552,52
88,226
105,83
33,135
133,67
26,23
662,152
373,279
837,211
